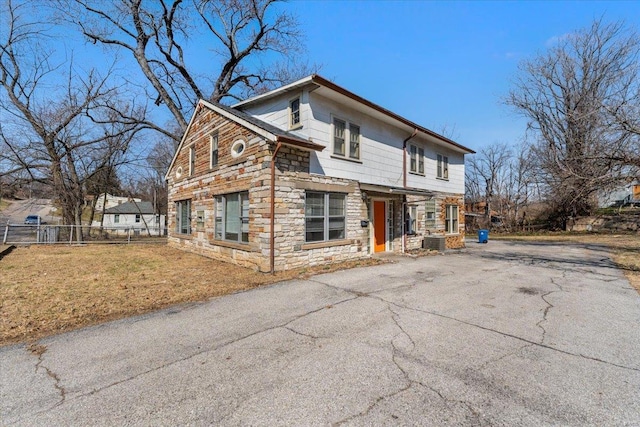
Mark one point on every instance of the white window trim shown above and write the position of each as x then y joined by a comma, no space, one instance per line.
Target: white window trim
234,148
292,125
220,219
419,160
179,224
214,135
347,139
327,217
192,159
442,167
449,219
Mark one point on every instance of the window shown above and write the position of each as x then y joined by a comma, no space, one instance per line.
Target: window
183,217
294,113
339,127
430,213
451,219
443,167
199,220
354,141
137,218
237,148
192,160
232,217
213,147
157,219
343,132
416,155
324,217
411,226
116,218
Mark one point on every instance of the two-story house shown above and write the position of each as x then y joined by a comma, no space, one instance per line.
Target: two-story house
311,173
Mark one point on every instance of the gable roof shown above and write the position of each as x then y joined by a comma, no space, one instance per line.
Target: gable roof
321,82
262,128
144,208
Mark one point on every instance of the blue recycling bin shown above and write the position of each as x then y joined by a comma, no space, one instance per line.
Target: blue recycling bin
483,236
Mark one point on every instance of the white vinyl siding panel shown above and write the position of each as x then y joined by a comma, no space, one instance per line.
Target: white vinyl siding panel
380,145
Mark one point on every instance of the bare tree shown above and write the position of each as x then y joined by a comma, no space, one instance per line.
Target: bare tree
241,37
62,134
581,100
499,178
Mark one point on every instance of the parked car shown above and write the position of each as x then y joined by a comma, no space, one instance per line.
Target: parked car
34,220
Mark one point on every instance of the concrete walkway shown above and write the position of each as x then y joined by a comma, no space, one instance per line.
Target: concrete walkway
505,334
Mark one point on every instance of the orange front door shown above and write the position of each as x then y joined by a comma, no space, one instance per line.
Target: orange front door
379,227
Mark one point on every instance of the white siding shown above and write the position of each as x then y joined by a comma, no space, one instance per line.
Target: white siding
380,145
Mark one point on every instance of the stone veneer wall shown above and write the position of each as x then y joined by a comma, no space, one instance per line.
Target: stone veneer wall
251,172
452,241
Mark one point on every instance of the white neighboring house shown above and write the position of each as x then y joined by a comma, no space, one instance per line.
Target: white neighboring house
135,217
112,201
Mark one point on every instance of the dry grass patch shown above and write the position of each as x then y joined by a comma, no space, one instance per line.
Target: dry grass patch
49,289
625,248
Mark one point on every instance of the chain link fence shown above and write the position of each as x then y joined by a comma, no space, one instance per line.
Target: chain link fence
73,234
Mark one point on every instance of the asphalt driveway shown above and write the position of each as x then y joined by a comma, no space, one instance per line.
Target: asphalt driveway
504,334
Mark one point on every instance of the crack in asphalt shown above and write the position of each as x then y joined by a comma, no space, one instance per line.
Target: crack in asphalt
39,350
397,353
203,351
301,333
548,307
475,325
504,356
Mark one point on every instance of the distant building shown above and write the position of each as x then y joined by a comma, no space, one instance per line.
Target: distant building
112,201
138,217
623,196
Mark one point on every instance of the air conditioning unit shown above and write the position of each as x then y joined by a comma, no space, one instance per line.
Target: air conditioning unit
435,243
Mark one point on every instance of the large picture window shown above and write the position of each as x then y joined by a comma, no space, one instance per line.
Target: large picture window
183,217
451,219
324,216
232,217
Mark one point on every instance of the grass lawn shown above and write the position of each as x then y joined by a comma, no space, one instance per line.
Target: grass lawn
625,248
45,290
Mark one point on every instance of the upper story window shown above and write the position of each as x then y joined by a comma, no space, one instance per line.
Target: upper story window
237,148
294,113
213,149
443,167
192,160
343,132
417,159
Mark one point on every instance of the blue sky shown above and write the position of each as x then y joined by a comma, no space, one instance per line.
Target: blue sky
442,63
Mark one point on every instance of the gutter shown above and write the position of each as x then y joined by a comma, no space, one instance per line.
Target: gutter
404,157
272,238
404,184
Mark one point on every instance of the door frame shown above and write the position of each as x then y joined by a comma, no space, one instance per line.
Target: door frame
372,218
